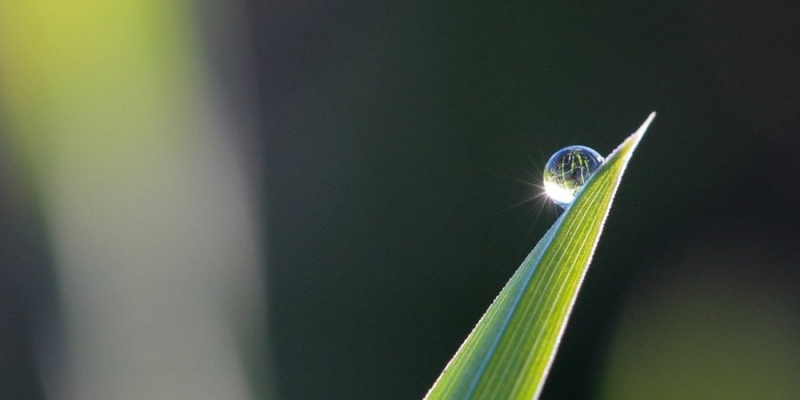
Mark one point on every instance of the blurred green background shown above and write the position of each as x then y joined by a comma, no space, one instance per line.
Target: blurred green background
318,200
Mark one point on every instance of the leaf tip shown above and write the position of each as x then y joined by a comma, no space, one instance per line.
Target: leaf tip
633,140
646,124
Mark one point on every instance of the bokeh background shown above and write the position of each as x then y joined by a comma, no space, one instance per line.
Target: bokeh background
318,199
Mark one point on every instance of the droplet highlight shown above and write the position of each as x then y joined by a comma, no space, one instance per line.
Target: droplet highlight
567,171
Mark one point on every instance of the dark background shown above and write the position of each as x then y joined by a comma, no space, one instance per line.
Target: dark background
396,135
400,145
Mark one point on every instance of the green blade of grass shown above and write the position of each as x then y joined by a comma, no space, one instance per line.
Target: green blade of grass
510,350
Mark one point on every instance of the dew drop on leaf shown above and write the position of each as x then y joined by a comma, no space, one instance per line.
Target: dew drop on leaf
567,171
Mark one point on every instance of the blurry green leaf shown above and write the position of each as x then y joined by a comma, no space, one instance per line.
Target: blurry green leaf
509,353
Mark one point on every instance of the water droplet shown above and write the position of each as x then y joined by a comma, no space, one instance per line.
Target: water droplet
567,171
